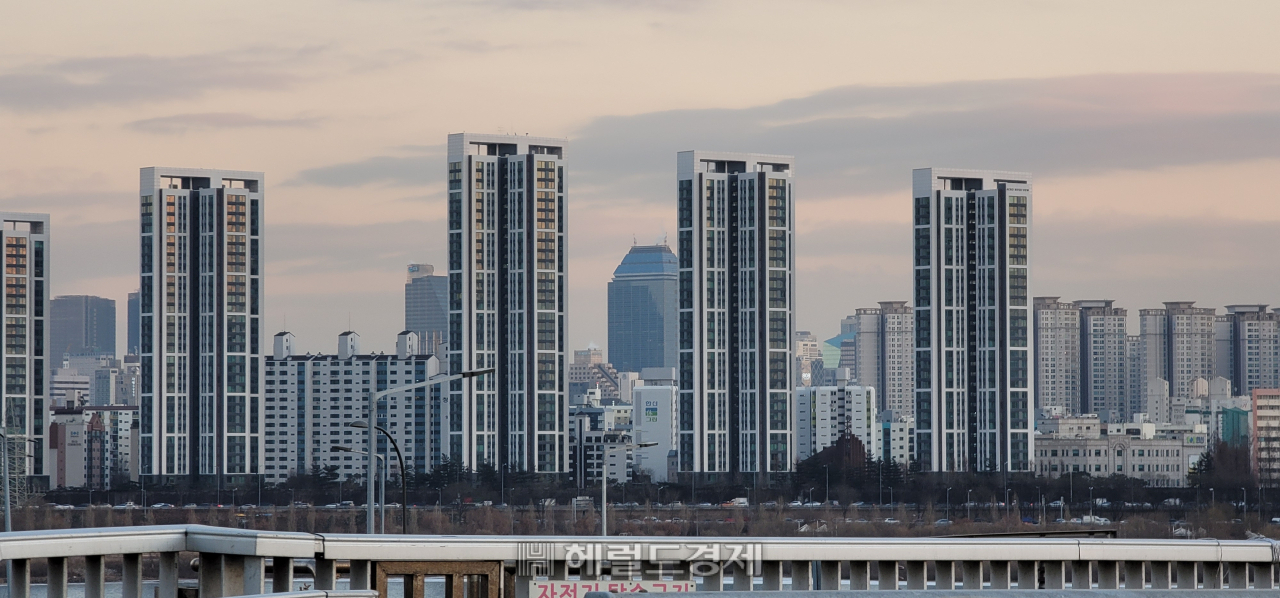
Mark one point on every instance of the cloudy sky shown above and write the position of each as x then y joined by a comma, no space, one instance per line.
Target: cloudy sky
1152,129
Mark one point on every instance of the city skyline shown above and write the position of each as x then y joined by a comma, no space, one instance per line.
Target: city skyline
1131,120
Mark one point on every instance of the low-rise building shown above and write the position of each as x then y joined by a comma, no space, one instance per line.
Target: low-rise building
824,414
1266,436
653,420
897,438
1160,454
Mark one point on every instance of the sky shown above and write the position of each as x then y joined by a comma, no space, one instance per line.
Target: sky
1152,130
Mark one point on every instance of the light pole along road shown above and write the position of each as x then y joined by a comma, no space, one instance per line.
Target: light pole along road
374,397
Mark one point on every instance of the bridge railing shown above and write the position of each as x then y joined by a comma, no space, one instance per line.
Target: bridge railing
235,562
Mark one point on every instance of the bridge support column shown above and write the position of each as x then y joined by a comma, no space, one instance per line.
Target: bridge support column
94,577
652,570
1108,575
20,585
1028,575
999,575
281,574
888,574
829,575
57,577
1238,576
168,575
254,575
326,574
944,577
1262,579
360,575
801,575
771,572
1081,576
210,575
714,580
681,571
859,575
132,576
917,576
1135,575
1053,575
971,574
1187,575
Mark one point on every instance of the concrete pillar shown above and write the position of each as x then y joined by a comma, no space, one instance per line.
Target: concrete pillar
917,576
1054,578
1081,576
326,574
20,585
944,577
132,576
859,575
999,575
682,571
281,574
57,577
1108,575
771,572
1135,575
1160,578
559,570
94,577
713,581
254,575
1238,575
888,572
232,574
801,575
1187,575
829,575
210,575
522,586
1212,575
742,579
971,574
360,575
168,575
1028,575
652,571
1262,579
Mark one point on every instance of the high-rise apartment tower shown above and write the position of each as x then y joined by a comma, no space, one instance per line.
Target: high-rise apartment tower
736,250
201,307
507,269
28,361
973,347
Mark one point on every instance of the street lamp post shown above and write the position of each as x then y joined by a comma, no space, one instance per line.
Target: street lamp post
1091,502
948,503
382,481
967,502
374,397
604,482
404,487
1244,503
826,495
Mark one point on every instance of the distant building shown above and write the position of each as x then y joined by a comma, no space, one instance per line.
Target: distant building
1177,344
1104,361
426,306
653,420
79,449
1057,333
642,310
1159,454
1247,347
808,358
589,370
897,438
82,325
1266,436
825,414
311,400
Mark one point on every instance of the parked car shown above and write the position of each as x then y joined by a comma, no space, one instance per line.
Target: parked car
162,505
942,523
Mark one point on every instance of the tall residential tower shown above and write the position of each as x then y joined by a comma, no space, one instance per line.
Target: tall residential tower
201,306
973,347
27,358
737,257
507,270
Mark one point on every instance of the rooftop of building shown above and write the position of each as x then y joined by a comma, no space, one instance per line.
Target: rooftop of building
646,260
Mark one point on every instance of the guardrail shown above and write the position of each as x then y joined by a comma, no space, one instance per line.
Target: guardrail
233,562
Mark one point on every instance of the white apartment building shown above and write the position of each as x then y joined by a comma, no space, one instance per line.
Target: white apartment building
25,401
653,420
1057,332
1104,360
974,347
312,399
1161,455
201,305
884,354
1247,347
736,254
1266,436
824,414
1177,344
